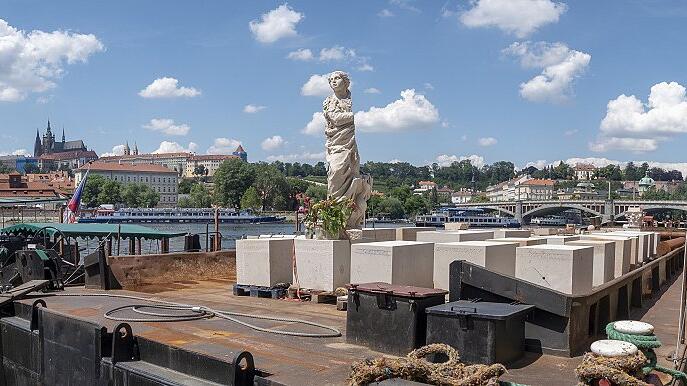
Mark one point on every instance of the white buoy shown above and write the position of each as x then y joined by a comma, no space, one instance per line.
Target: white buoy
633,327
613,348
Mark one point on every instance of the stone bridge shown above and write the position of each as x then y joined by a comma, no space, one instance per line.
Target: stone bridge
608,210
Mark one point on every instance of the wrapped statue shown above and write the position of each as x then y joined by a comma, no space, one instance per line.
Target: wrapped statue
343,175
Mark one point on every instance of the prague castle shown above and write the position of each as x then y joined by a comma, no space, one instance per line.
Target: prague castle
50,146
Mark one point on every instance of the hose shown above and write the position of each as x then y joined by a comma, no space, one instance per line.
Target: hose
200,312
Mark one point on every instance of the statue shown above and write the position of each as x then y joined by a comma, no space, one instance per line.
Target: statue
343,175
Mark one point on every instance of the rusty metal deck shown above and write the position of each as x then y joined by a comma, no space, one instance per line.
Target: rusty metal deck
311,361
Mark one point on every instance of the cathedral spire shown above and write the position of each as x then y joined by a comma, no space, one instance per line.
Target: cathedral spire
48,126
63,134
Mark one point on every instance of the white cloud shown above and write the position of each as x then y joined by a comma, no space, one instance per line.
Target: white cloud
168,88
316,124
487,141
23,152
601,162
31,62
518,17
371,90
276,24
252,109
447,160
395,161
539,164
272,143
297,157
167,126
560,67
223,146
365,67
173,147
385,13
317,85
428,86
336,53
631,125
412,111
302,54
569,133
45,99
405,4
463,137
116,150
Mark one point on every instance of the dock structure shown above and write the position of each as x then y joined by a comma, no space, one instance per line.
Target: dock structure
116,334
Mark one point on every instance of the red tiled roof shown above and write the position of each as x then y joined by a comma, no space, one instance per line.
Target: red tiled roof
69,155
213,157
126,167
26,189
115,158
585,167
539,182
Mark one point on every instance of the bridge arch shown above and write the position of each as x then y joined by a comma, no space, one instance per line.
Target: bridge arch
656,207
546,209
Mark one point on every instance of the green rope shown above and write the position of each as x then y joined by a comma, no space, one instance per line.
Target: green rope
646,343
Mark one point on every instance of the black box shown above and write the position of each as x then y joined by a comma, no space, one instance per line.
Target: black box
389,318
482,332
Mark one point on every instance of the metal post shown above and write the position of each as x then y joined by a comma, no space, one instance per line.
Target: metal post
119,238
207,237
216,246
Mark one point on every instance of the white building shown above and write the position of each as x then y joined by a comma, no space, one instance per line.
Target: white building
210,162
462,196
584,171
161,179
172,161
521,188
424,187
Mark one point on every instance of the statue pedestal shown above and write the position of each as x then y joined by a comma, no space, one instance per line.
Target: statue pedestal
264,262
323,264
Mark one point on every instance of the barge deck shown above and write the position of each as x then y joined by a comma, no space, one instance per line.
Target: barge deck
310,361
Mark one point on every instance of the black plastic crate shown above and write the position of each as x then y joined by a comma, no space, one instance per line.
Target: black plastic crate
389,318
482,332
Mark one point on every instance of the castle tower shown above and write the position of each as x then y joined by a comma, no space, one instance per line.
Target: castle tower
239,152
48,140
135,148
127,150
63,134
37,146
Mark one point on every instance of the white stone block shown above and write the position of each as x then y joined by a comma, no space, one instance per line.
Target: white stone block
323,264
545,231
410,233
604,259
508,233
395,262
378,234
623,251
455,236
456,226
643,243
492,255
563,268
263,262
522,241
560,240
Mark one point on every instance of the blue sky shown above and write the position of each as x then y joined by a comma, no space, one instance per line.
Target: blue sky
521,80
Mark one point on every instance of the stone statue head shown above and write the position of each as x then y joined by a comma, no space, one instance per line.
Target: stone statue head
339,81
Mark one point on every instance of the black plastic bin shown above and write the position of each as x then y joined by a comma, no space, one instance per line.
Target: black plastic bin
482,332
389,318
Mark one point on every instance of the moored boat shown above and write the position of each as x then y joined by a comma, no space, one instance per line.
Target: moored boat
178,215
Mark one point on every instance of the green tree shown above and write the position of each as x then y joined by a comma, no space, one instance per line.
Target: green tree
200,197
415,205
655,194
250,199
432,198
149,198
185,185
393,207
110,193
401,192
200,171
316,192
91,190
231,180
4,169
270,183
31,168
479,198
631,172
184,202
373,205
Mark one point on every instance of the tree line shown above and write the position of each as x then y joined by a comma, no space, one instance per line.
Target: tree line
99,190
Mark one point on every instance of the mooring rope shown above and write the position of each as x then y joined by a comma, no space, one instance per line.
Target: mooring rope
200,312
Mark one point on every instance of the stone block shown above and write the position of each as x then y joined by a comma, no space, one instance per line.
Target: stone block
604,259
410,233
623,251
545,231
563,268
455,236
492,255
522,241
378,234
560,240
643,243
323,264
264,262
456,226
507,233
395,262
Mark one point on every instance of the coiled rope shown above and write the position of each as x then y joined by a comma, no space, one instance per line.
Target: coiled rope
647,344
414,367
198,312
